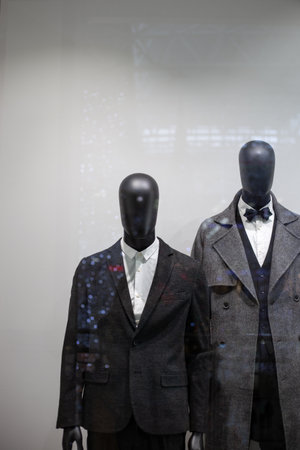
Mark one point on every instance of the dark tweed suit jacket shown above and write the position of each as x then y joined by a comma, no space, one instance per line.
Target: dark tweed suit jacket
159,371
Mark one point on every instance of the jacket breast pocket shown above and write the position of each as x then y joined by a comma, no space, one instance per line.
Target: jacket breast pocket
221,290
174,380
100,377
176,296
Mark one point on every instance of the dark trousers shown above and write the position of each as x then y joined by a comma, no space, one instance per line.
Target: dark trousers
272,446
266,423
132,437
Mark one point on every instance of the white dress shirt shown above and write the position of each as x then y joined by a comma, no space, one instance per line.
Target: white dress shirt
259,231
139,268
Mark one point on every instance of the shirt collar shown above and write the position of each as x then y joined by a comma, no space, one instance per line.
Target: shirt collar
242,205
146,253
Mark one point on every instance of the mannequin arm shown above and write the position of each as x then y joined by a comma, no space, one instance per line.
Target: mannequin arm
196,441
70,435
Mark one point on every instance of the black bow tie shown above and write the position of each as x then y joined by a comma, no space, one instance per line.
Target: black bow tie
264,213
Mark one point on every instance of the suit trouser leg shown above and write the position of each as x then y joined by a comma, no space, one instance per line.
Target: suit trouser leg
132,437
272,446
266,424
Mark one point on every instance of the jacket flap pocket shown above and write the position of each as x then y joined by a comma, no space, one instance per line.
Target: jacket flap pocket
97,377
221,277
176,379
221,290
175,295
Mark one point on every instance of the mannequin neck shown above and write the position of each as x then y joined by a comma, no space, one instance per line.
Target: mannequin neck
139,244
256,201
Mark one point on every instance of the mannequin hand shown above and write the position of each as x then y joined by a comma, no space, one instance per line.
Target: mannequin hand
196,442
70,435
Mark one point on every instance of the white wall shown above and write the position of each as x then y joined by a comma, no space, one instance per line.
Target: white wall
91,91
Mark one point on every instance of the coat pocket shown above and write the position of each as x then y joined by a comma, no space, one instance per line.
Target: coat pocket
100,377
174,380
220,276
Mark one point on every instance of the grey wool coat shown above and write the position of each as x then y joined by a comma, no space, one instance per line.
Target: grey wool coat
234,325
156,371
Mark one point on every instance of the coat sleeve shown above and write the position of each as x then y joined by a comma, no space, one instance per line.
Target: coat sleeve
198,354
71,378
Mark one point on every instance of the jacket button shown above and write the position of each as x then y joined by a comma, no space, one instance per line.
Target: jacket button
226,305
296,298
134,343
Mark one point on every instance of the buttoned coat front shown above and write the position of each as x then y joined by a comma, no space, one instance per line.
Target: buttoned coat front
234,325
156,371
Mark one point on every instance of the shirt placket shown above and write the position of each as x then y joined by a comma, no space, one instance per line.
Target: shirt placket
138,282
259,240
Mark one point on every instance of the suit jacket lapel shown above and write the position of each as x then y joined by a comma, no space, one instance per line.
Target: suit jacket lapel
161,277
117,270
286,244
231,250
230,247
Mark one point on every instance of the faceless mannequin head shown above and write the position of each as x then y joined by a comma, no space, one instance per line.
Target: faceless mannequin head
257,164
138,197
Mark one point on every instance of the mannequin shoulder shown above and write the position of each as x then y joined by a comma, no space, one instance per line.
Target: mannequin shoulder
186,264
100,258
210,228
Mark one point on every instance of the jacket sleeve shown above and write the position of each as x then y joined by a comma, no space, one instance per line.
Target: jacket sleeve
199,354
71,378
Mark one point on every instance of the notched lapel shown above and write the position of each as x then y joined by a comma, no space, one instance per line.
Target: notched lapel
117,271
286,243
165,264
231,250
286,248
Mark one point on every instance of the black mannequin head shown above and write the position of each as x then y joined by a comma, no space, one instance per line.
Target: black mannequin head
138,196
257,164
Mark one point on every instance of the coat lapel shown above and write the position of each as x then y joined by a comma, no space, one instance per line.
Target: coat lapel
161,277
230,247
117,270
286,243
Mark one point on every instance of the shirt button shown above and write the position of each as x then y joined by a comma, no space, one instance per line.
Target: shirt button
296,298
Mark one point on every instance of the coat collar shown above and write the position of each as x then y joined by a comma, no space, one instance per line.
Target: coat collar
229,245
227,217
162,274
286,243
